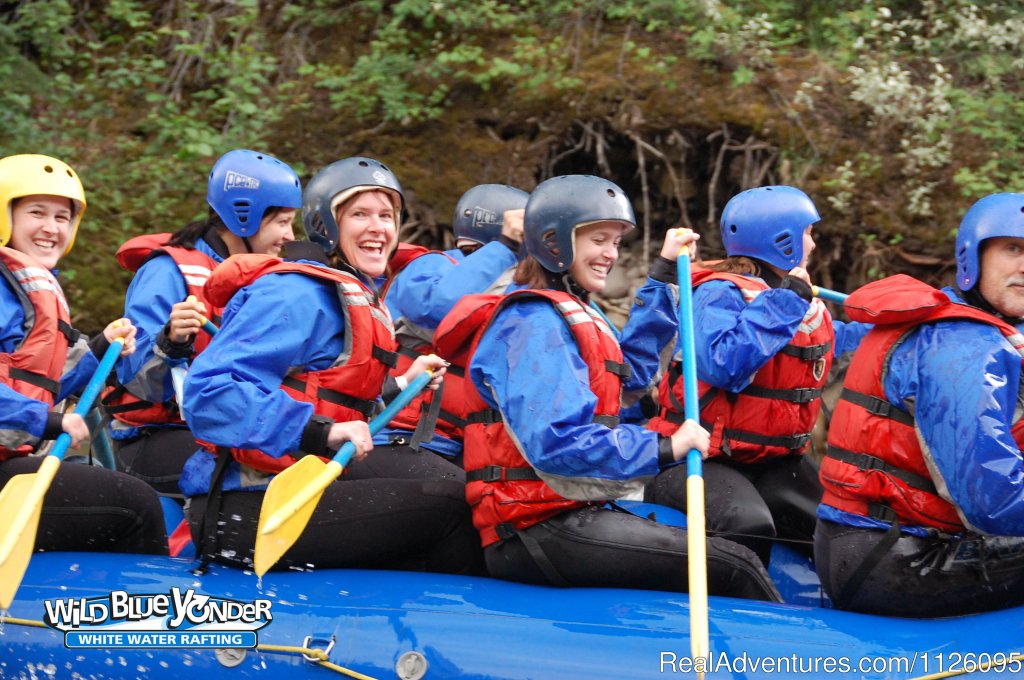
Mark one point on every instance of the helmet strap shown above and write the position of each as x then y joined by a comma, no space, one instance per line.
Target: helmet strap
569,285
215,242
248,246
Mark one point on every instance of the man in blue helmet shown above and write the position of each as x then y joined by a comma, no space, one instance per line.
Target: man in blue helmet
764,348
488,226
252,199
923,509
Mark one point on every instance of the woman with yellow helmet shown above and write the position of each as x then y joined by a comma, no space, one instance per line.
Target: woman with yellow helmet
43,360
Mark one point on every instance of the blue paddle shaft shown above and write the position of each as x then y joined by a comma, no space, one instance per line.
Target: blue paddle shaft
689,355
209,327
830,295
348,449
92,390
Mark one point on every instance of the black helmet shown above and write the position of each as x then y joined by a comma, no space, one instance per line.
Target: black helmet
334,185
558,205
479,213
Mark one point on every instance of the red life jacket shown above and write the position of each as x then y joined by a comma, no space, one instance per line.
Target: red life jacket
195,268
875,465
346,391
36,365
502,488
414,342
774,415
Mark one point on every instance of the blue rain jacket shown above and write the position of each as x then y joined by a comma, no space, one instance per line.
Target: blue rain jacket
962,382
735,339
232,394
528,366
156,287
427,289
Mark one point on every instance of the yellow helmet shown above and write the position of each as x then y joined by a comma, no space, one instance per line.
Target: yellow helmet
32,174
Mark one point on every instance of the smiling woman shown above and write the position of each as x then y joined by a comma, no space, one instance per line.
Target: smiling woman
43,226
252,199
263,395
542,457
44,361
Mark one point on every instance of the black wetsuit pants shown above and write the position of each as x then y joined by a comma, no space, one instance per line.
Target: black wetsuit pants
93,509
397,509
605,548
777,498
915,576
157,457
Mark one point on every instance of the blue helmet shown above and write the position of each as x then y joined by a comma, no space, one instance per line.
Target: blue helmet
768,223
992,216
478,214
560,204
334,185
244,184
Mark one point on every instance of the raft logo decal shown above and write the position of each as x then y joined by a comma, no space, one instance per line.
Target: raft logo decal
236,180
179,618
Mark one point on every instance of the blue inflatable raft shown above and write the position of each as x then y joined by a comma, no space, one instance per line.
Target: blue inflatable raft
383,624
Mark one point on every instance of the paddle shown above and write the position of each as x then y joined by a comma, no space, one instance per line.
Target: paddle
830,295
294,493
22,498
696,532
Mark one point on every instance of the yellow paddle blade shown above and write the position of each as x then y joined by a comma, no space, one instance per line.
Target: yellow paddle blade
16,500
20,500
288,504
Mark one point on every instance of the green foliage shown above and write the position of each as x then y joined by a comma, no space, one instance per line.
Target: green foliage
141,96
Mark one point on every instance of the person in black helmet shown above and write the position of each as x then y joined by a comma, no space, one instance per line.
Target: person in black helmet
423,288
297,368
544,448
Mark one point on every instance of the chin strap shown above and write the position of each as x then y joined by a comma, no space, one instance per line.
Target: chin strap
565,282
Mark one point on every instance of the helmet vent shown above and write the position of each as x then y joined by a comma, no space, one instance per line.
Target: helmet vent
784,242
242,210
48,168
550,240
611,193
364,164
732,228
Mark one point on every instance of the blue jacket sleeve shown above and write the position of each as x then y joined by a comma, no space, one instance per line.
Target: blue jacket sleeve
528,366
733,338
22,419
81,366
962,381
12,318
232,395
156,287
429,286
653,322
848,335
